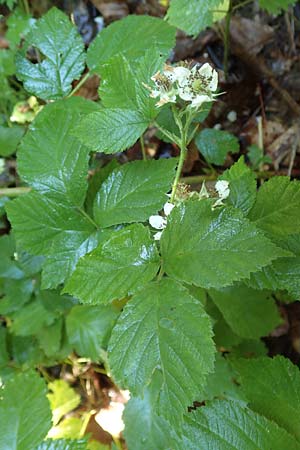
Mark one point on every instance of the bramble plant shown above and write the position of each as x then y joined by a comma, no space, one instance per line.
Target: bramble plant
170,290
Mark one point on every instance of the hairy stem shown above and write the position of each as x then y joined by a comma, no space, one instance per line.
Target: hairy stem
183,153
14,192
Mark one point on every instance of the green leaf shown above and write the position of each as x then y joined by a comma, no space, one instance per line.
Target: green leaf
25,414
193,16
16,294
215,144
222,383
223,235
276,6
18,23
50,338
8,267
51,160
89,327
169,332
143,427
95,183
63,399
63,444
131,37
257,157
29,319
282,274
62,50
230,425
272,386
43,227
4,357
242,185
123,83
250,313
143,184
277,207
127,260
111,130
9,139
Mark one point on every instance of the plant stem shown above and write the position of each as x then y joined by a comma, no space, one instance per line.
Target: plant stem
26,7
183,152
82,211
78,86
14,192
143,148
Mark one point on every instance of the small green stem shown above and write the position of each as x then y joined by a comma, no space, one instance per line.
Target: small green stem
143,148
26,7
78,86
82,211
14,192
170,136
183,152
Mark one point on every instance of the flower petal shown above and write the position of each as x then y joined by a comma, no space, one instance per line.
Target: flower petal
157,222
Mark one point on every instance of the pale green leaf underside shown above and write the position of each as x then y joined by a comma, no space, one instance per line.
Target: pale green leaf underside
25,414
134,191
44,227
50,159
111,130
131,37
277,207
272,387
214,145
251,314
88,328
232,246
171,333
125,261
58,41
230,425
192,16
242,185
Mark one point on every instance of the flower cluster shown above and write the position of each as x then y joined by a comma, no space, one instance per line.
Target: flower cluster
160,222
196,85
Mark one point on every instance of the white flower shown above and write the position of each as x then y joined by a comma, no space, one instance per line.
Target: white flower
199,86
222,187
157,222
157,236
168,208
